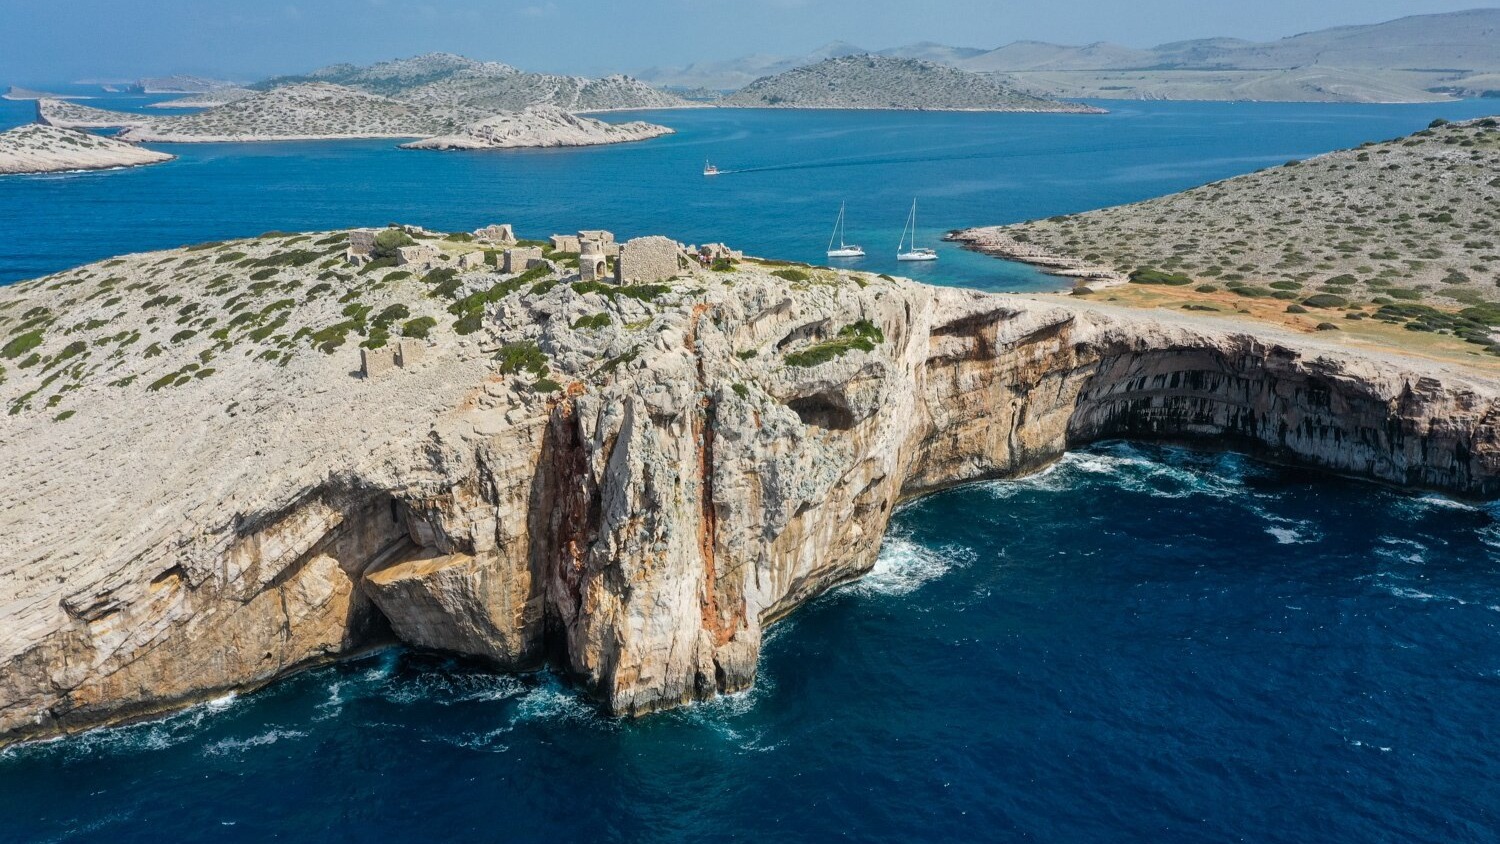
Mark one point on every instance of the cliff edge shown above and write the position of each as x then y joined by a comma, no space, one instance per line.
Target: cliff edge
211,486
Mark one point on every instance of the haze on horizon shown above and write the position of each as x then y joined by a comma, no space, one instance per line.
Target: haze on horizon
251,39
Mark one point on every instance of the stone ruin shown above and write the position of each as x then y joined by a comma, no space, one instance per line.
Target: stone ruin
502,234
405,354
419,253
593,263
470,261
649,259
519,259
361,245
564,242
711,252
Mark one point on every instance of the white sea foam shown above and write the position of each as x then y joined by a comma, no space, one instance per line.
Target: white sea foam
227,746
446,689
551,702
904,566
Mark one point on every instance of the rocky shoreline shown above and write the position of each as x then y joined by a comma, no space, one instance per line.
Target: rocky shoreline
44,149
626,480
996,242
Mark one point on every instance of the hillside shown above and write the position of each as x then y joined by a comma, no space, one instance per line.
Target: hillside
1395,226
47,149
447,80
540,126
882,82
295,112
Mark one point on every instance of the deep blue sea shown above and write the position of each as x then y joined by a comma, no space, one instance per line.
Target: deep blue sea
1140,644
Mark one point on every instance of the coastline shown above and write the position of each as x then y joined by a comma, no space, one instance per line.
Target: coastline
992,241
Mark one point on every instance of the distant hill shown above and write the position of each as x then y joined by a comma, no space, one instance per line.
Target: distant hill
1412,59
869,81
445,79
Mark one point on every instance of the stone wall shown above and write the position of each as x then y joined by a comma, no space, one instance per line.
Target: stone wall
649,259
519,259
502,234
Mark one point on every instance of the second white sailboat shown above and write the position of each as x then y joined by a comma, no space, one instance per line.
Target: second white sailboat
915,252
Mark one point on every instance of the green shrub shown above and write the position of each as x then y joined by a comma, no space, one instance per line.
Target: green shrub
388,241
1325,300
522,356
21,344
419,327
1295,309
791,274
592,323
1149,275
862,335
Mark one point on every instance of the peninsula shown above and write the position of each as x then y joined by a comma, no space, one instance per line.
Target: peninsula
883,82
207,99
1399,233
46,149
233,460
540,126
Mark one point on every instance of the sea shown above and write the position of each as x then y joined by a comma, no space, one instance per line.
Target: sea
1138,644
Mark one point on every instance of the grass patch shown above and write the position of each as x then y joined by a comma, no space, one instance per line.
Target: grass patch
863,336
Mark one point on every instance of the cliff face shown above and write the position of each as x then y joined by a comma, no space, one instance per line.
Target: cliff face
642,525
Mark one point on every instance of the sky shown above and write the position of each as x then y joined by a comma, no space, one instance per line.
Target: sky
59,41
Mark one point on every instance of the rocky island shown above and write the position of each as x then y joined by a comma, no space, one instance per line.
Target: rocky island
449,81
540,126
452,102
1393,234
47,149
310,111
233,460
886,82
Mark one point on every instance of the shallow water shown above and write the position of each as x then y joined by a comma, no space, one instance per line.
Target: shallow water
1139,644
794,169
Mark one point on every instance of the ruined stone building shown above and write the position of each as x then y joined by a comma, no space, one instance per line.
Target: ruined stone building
649,259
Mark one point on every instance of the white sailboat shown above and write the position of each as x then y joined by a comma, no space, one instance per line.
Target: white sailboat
915,253
844,250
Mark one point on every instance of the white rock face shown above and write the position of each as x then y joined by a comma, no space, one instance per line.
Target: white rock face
47,149
541,126
640,484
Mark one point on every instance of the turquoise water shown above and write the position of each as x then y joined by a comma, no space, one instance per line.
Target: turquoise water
795,169
1140,644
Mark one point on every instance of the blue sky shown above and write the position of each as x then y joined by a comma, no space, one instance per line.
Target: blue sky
63,40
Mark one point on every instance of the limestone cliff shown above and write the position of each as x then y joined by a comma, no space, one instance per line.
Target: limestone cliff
628,482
